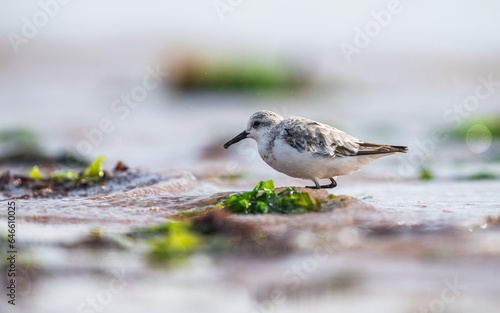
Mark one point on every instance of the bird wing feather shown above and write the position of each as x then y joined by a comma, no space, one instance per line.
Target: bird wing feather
311,136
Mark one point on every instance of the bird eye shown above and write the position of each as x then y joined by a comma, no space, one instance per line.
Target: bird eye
256,123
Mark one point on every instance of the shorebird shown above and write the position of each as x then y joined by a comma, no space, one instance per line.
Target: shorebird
303,148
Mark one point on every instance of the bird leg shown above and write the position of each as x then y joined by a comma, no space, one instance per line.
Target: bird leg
332,185
317,186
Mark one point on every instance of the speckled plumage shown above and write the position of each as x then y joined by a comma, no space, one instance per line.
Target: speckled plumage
309,136
304,148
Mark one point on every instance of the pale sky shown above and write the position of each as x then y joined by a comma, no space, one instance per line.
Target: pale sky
424,25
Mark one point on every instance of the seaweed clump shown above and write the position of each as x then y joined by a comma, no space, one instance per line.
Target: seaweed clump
192,74
426,174
213,233
59,183
483,175
94,173
175,241
263,199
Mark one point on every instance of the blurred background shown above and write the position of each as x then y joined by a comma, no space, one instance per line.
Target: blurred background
383,71
164,84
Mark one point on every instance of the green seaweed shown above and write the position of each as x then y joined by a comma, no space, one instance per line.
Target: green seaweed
178,241
65,176
150,231
264,200
242,75
24,138
491,123
173,240
231,177
95,171
35,173
426,174
93,174
21,146
245,75
482,176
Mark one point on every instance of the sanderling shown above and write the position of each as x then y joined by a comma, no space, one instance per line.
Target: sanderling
303,148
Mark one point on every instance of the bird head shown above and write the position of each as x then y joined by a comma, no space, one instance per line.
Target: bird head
259,125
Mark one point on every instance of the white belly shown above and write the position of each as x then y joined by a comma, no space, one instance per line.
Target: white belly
290,161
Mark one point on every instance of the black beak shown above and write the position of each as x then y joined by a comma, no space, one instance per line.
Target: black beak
241,136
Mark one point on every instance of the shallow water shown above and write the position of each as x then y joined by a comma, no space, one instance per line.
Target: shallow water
399,248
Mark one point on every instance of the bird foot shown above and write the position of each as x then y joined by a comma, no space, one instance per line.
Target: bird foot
317,185
328,186
332,185
314,187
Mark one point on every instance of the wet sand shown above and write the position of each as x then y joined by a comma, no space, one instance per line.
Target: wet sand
407,246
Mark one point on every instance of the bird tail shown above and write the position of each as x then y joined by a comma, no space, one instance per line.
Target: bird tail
366,148
402,149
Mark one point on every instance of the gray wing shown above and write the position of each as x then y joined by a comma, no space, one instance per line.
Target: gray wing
308,135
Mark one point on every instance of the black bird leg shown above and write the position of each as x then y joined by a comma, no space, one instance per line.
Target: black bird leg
332,185
317,186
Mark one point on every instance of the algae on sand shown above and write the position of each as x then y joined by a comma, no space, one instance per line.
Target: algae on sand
178,241
95,171
263,199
